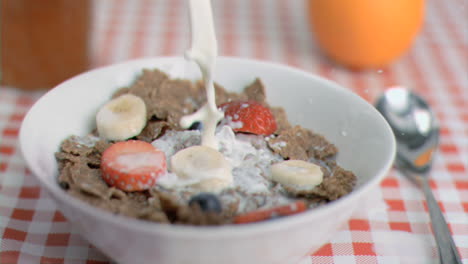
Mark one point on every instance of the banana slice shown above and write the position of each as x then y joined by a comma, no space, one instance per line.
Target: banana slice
203,167
121,118
297,174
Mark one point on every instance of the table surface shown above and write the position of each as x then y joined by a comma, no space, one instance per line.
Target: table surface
394,228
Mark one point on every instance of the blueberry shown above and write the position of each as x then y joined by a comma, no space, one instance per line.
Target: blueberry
196,126
208,202
64,185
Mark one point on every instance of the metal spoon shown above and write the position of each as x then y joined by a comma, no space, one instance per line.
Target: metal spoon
417,134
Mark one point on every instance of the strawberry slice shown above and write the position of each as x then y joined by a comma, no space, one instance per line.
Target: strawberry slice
132,165
260,215
249,117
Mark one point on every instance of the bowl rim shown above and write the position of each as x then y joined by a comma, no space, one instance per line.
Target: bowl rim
211,232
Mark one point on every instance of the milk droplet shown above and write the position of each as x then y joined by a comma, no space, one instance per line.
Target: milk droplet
310,100
379,71
344,133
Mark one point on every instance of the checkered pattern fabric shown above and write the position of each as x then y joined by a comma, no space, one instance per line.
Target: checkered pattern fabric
392,225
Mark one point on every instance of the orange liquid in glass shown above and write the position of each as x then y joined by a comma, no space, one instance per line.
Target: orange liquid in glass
43,42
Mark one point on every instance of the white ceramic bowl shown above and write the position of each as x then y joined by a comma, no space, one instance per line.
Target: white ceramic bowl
365,141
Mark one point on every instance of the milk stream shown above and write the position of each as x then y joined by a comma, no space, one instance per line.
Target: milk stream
203,51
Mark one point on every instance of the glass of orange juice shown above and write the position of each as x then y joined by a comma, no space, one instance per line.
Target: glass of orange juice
365,33
43,42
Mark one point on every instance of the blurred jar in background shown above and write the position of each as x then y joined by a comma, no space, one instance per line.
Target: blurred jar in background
365,33
43,42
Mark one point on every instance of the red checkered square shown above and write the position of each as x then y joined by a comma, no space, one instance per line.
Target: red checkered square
7,150
400,226
359,224
441,205
47,260
465,207
461,185
396,205
445,132
60,240
363,249
456,168
22,214
390,182
58,217
17,117
449,148
14,234
3,166
24,100
464,116
10,132
9,257
325,250
30,193
433,184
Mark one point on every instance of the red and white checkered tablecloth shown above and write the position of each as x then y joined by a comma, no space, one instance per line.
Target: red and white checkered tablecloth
392,227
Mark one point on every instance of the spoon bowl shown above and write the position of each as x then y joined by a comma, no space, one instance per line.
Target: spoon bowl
417,135
414,125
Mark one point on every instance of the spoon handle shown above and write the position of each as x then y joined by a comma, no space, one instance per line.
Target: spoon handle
447,249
